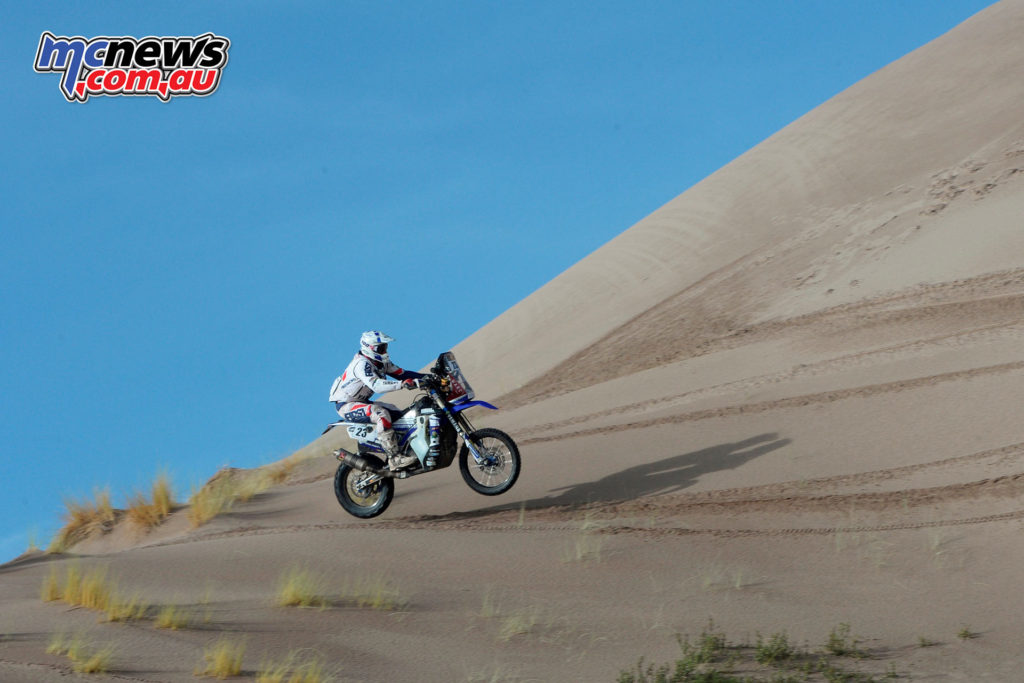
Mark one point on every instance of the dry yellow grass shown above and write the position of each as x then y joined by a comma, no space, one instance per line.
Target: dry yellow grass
373,592
219,494
57,645
127,609
83,519
259,480
223,659
252,484
148,513
279,472
216,497
71,590
301,587
297,667
91,589
173,617
51,589
92,662
97,591
84,658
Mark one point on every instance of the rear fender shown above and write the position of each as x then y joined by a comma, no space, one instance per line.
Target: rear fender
332,426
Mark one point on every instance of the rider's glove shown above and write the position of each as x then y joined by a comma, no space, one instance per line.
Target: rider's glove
409,384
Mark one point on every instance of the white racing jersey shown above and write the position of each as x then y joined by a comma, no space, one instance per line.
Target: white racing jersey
362,379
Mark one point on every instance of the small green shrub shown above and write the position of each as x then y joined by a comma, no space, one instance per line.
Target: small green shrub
774,650
841,644
966,633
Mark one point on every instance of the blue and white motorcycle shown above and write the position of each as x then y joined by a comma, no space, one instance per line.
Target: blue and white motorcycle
432,428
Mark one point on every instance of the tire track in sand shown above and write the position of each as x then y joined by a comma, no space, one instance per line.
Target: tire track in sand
800,401
802,370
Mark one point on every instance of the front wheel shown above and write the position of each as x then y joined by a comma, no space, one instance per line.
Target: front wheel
359,498
499,465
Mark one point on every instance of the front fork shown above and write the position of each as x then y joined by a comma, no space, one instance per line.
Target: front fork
456,421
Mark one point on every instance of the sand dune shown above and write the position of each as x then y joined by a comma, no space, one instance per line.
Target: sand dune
786,400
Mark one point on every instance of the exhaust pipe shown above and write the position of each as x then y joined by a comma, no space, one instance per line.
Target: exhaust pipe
356,462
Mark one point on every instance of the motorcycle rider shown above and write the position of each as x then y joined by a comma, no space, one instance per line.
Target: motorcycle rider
365,376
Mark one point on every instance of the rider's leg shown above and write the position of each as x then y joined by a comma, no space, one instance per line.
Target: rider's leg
388,439
380,417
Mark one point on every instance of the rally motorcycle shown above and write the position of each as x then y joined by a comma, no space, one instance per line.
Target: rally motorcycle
434,428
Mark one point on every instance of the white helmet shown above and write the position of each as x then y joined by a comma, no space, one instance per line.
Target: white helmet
374,345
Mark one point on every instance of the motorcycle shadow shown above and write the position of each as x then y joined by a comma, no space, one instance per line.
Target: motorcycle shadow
668,475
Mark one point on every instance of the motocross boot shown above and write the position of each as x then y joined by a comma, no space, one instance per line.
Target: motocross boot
396,461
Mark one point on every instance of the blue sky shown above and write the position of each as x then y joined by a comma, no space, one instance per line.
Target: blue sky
181,281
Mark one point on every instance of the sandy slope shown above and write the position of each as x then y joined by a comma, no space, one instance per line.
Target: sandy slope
790,401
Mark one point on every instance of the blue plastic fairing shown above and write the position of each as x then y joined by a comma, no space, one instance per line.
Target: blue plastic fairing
469,404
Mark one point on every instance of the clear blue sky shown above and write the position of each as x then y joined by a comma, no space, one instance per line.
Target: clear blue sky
181,281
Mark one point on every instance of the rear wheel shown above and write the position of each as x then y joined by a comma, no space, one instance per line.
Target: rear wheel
499,464
357,496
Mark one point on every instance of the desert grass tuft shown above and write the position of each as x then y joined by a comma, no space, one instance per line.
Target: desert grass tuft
51,590
297,667
251,484
84,658
713,659
33,542
148,513
93,662
222,659
302,587
83,519
91,589
215,498
966,633
127,609
229,485
97,590
57,644
374,592
773,650
279,472
172,617
842,644
72,588
58,545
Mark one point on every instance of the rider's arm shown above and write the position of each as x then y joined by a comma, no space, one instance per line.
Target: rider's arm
393,370
380,385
